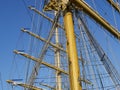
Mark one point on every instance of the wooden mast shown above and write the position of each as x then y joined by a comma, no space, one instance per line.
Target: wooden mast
57,61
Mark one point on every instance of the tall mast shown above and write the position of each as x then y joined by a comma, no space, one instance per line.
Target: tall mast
74,73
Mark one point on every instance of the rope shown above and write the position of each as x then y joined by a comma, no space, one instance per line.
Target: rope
1,81
25,5
113,11
14,66
93,1
31,44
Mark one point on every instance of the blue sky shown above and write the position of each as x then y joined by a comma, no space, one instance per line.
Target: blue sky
13,16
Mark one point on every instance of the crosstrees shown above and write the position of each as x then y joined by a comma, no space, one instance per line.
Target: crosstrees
50,43
37,60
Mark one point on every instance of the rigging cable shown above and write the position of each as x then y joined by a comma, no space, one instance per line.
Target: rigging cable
25,5
93,1
115,21
44,49
1,81
107,63
30,48
88,55
83,64
14,67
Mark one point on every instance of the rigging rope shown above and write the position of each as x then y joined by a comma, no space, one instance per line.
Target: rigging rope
1,81
115,21
108,65
14,67
106,62
25,4
30,48
93,1
44,49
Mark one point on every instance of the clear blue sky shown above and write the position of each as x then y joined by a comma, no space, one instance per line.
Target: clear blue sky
13,16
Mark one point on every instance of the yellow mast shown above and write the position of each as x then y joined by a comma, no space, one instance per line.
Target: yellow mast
74,72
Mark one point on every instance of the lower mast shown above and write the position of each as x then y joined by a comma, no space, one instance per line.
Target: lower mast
74,72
